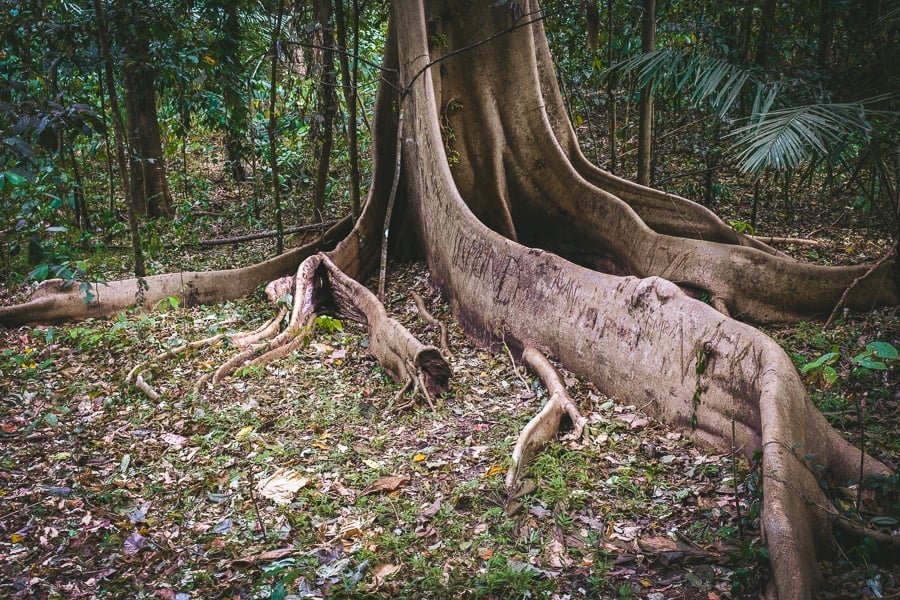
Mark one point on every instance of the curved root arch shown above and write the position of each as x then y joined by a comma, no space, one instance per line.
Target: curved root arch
635,338
505,116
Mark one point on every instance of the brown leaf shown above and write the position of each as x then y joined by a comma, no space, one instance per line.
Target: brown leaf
430,511
281,486
384,570
389,483
270,555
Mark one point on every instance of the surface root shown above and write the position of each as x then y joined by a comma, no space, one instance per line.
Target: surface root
545,425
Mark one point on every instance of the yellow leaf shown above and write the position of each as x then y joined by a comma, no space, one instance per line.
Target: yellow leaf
16,538
209,59
320,445
419,457
494,470
646,583
244,433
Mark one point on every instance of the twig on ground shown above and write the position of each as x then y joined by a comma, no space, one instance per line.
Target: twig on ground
431,320
786,240
855,282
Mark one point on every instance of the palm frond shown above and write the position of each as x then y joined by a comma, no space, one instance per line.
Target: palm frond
707,79
788,137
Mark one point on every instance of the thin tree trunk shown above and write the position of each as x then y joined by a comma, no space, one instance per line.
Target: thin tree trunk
83,219
645,124
766,29
109,161
273,121
349,79
327,107
611,94
826,33
235,106
137,253
150,190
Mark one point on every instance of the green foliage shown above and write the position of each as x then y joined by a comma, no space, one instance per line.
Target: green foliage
878,356
329,324
787,138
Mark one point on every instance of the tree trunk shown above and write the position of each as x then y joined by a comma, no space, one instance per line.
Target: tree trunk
645,122
326,108
611,94
274,49
116,115
149,189
766,33
349,78
537,249
233,96
826,33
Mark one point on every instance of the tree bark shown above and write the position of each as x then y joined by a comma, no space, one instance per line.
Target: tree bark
274,49
149,188
116,115
326,107
645,120
233,96
349,77
766,31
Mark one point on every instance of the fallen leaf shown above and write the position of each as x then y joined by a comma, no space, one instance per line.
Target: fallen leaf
134,543
386,484
419,457
493,471
271,555
281,486
556,554
174,440
430,511
384,570
244,434
485,553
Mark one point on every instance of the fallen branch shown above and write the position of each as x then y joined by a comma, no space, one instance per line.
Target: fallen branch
837,307
543,426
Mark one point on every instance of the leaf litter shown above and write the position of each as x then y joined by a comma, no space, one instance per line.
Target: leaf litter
294,477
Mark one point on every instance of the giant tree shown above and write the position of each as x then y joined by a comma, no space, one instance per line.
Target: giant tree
536,248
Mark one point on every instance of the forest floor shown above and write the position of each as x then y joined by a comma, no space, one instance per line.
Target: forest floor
294,480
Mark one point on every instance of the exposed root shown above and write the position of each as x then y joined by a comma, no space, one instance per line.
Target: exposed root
887,542
719,303
392,405
57,301
771,240
136,372
430,319
146,388
266,331
544,426
843,300
319,282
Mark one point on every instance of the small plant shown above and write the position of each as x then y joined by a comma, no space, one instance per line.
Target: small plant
742,227
822,368
877,356
329,324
